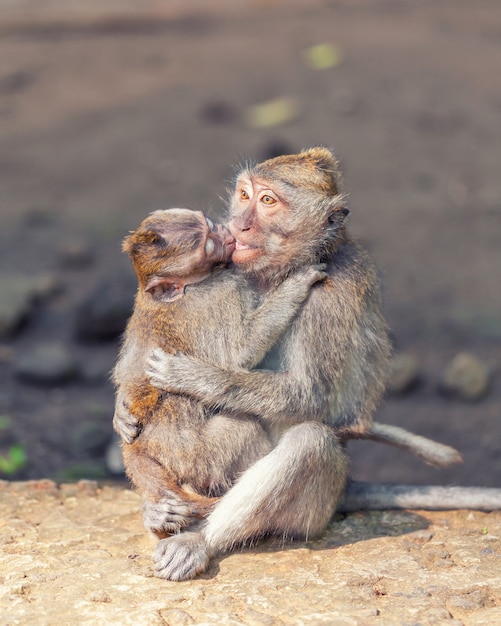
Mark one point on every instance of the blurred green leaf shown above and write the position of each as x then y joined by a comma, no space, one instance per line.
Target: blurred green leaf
271,113
323,56
14,460
4,422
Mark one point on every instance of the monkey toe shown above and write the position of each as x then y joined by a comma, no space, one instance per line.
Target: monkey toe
181,557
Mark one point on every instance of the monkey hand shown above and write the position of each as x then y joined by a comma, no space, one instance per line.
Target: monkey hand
312,274
124,422
181,557
168,515
171,372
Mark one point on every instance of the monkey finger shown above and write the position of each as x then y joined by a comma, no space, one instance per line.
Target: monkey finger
168,515
321,267
158,380
317,276
157,354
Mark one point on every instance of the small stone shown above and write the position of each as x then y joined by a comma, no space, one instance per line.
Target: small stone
276,148
47,364
404,374
16,303
19,295
218,112
17,81
466,377
104,313
45,286
76,254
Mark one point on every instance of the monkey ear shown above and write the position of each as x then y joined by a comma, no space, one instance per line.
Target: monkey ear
165,289
338,215
128,244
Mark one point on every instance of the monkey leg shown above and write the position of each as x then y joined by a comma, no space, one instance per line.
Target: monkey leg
230,445
292,491
168,506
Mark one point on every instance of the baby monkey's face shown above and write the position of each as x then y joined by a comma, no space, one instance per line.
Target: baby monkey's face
177,245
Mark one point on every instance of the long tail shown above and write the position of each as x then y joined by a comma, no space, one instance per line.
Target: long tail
429,451
360,496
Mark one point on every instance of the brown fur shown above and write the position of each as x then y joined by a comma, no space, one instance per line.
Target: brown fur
185,455
321,382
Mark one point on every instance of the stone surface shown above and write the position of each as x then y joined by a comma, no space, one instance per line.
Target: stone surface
18,297
467,377
78,554
104,312
404,373
47,364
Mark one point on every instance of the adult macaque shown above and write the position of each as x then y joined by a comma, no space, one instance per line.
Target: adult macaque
184,458
317,387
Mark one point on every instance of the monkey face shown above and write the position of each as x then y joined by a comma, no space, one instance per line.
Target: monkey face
177,247
256,208
287,212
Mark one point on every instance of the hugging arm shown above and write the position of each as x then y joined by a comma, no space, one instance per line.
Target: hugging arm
265,325
262,329
314,354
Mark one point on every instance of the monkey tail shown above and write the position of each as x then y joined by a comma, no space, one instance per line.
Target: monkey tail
429,451
360,496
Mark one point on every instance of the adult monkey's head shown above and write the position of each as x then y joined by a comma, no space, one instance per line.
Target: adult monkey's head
287,212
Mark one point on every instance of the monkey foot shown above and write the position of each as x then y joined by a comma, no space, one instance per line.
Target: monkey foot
181,557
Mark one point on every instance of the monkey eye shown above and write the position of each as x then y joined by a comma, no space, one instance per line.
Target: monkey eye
209,246
268,200
210,223
244,195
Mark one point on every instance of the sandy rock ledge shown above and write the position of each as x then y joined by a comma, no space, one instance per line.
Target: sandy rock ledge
78,554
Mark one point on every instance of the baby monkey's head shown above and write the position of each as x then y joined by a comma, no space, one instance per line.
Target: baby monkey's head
174,248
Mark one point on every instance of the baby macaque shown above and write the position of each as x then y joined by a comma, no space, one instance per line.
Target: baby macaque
181,455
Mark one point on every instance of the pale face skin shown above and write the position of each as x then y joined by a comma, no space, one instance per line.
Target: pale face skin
255,207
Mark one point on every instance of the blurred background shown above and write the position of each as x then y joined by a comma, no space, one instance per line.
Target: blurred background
111,109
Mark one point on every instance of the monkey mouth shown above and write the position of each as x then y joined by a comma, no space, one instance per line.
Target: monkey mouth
244,253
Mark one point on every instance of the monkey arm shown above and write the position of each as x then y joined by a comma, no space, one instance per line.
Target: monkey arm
288,401
269,320
334,359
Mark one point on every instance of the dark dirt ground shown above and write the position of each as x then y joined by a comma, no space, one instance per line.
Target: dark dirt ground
109,111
